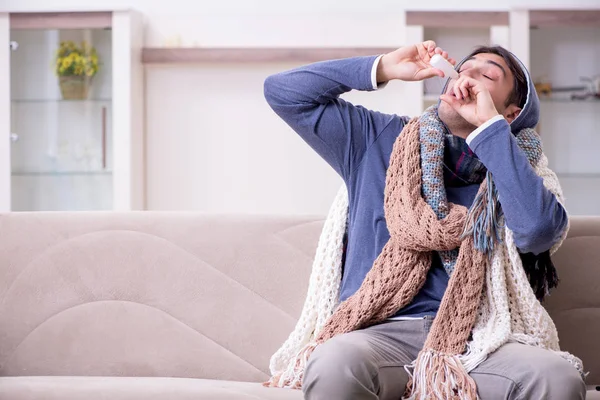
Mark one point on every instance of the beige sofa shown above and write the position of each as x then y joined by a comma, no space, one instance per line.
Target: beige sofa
148,305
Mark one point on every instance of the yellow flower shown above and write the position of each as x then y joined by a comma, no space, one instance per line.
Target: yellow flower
77,59
66,62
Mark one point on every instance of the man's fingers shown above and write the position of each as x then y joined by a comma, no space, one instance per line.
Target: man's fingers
473,87
456,89
430,47
464,89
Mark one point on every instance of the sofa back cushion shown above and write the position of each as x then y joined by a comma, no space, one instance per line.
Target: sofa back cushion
575,304
149,293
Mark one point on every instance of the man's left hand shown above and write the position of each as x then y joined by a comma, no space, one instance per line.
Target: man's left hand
471,100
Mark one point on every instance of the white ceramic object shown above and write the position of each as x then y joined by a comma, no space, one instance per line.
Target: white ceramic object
440,62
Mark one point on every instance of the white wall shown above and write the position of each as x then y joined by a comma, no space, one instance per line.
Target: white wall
221,148
212,142
216,146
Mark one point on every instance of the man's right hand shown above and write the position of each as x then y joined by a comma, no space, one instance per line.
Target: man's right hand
411,63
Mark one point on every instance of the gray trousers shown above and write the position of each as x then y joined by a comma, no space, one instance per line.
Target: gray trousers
369,365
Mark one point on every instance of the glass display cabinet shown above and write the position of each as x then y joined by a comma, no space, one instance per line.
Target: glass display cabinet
74,111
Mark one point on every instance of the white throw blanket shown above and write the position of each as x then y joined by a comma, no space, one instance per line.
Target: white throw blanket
509,309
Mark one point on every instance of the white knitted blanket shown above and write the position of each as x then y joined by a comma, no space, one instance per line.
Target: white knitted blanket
509,310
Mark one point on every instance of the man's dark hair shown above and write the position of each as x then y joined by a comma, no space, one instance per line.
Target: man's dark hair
520,88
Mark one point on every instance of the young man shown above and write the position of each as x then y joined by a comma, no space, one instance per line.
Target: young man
492,99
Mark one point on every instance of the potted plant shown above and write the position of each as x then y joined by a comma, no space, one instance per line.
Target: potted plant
75,67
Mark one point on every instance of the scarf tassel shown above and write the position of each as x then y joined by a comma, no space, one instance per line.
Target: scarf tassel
292,378
482,223
483,218
439,376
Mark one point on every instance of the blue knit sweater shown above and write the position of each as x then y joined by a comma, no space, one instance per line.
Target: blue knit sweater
357,143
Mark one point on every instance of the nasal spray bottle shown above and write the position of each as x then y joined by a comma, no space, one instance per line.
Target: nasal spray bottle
440,62
437,84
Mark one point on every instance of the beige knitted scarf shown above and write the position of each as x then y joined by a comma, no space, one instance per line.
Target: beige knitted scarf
399,272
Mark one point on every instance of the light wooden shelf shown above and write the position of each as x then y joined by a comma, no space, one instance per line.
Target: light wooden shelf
485,19
556,18
457,19
61,20
61,173
191,55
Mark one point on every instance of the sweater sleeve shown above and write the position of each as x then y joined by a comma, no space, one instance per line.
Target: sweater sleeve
307,99
532,212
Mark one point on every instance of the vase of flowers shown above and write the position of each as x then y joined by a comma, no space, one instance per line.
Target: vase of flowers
75,67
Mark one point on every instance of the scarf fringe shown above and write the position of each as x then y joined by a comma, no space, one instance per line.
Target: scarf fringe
291,378
439,376
483,218
472,359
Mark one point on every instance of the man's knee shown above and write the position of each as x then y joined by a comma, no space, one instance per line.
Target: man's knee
339,368
522,372
555,378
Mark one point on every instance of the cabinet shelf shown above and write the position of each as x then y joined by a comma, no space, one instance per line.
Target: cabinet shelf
166,55
25,101
452,19
60,173
485,19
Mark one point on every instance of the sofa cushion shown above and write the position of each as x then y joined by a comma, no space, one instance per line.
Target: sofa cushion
575,304
155,294
125,388
134,388
592,393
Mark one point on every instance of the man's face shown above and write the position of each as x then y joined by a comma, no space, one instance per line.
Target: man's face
492,71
